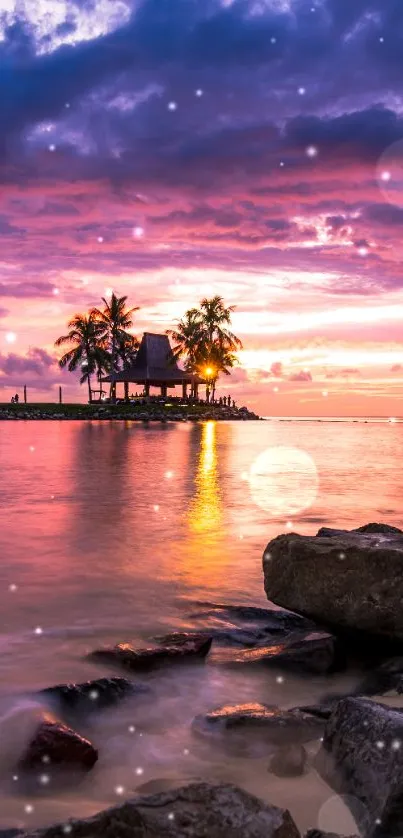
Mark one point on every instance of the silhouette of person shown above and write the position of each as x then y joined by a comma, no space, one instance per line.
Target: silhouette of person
16,398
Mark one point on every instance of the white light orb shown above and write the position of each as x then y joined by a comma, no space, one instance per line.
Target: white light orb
336,813
138,232
311,151
100,239
199,92
172,106
283,480
389,174
11,337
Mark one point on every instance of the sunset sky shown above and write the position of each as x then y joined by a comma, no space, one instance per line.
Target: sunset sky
175,149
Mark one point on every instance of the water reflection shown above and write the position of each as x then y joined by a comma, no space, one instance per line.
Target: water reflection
205,512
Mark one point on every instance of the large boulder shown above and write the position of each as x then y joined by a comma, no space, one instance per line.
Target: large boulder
351,581
191,648
362,757
200,810
289,761
56,745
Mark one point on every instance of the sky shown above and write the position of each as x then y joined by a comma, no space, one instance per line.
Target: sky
176,149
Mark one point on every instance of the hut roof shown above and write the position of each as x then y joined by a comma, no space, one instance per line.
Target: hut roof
154,363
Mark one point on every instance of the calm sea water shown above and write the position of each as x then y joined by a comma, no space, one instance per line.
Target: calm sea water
116,532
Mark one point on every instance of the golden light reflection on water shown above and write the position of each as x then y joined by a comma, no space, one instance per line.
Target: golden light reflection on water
205,512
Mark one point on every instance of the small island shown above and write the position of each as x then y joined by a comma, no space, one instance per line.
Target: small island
101,345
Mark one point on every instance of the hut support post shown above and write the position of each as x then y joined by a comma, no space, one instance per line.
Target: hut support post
25,393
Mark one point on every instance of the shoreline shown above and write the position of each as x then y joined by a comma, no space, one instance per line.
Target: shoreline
153,411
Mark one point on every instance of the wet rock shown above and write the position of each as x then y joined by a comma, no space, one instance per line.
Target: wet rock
196,811
317,833
271,621
350,581
189,649
289,762
92,695
269,724
385,678
55,744
247,636
362,757
384,529
317,653
320,711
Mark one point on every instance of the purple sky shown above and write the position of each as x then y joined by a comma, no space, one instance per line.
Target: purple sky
174,149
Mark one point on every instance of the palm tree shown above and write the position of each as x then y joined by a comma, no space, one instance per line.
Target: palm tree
116,319
126,352
203,337
87,348
188,337
215,317
219,360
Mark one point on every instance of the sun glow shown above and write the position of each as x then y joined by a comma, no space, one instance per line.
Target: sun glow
205,512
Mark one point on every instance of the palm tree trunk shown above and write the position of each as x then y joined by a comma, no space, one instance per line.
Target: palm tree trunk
126,391
89,389
112,390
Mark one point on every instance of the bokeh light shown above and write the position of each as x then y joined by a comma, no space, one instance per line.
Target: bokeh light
284,481
389,174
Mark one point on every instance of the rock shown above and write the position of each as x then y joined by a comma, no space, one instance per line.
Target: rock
271,621
317,653
351,581
321,711
317,833
289,762
191,648
198,810
92,695
269,725
384,529
362,757
385,678
58,745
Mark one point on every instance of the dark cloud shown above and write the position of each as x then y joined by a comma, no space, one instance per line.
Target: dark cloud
216,195
36,361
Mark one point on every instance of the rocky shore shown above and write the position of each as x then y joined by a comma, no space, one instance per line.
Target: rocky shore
139,412
347,590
